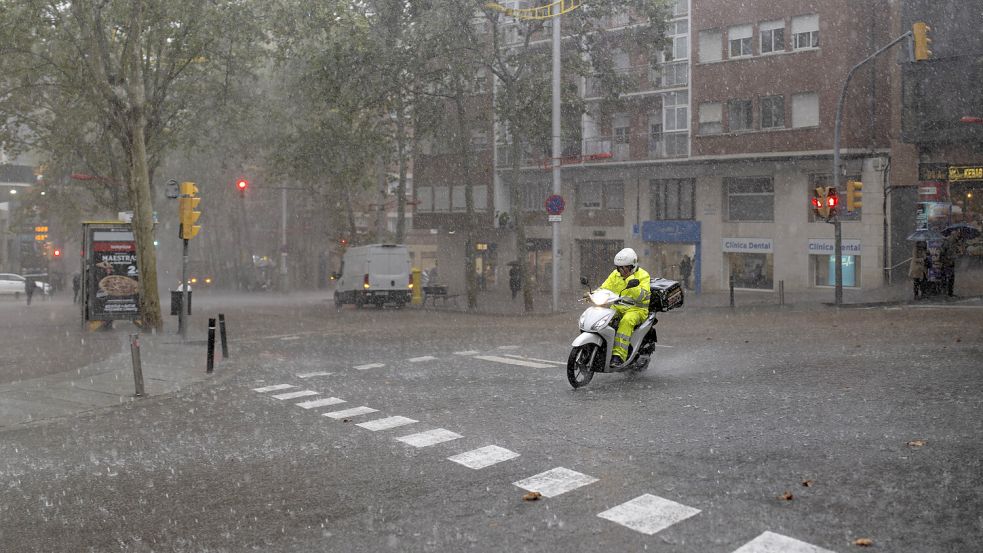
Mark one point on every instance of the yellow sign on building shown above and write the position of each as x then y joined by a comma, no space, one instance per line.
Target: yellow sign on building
965,172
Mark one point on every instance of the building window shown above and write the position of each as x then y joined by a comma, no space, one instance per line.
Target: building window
773,112
753,271
805,110
680,40
824,267
479,139
750,198
457,199
441,198
672,199
668,75
711,121
675,110
589,195
601,195
711,45
739,115
424,195
805,31
680,8
614,195
533,196
739,38
479,193
772,36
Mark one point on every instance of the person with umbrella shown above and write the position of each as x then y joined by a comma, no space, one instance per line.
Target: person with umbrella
947,257
921,262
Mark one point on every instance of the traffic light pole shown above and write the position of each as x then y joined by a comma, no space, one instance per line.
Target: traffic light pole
181,323
837,230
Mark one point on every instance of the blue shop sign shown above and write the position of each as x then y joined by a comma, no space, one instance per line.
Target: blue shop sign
671,231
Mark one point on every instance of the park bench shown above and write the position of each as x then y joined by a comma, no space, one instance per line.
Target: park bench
438,292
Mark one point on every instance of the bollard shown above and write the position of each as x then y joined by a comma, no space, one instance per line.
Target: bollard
732,290
221,331
211,346
781,292
137,367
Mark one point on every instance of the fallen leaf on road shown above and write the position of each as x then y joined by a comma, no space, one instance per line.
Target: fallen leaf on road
532,496
917,443
807,483
346,420
787,496
863,542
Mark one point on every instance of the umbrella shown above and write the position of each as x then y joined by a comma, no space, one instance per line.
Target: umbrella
968,231
924,235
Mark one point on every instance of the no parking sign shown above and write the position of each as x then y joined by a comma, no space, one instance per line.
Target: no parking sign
554,204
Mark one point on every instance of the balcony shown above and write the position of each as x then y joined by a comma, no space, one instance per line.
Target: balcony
645,78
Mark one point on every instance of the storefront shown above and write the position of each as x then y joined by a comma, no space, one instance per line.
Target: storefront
822,258
750,262
673,251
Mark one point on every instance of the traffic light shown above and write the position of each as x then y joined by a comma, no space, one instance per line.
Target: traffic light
854,195
241,186
832,200
56,253
187,203
820,201
919,31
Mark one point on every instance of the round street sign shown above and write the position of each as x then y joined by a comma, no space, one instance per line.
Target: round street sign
554,204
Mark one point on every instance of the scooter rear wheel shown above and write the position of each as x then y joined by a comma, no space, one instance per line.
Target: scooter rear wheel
579,370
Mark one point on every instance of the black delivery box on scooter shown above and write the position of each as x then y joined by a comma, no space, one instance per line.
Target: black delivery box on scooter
666,294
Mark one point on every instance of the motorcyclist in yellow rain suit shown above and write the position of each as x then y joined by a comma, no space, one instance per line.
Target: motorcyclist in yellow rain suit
626,268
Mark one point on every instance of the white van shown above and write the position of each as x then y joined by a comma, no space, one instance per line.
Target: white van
377,273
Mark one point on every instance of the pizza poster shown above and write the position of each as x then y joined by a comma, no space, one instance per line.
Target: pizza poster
114,288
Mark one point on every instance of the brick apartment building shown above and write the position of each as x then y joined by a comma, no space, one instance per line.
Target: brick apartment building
715,154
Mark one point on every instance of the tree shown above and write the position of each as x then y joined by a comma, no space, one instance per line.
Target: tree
132,69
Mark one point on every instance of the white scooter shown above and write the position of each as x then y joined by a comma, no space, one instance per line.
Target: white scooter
591,351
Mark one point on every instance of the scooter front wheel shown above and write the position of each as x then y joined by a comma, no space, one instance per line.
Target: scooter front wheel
579,370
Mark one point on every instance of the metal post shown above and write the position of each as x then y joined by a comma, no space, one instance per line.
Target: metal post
181,323
225,341
210,367
732,290
284,282
781,292
557,151
137,367
837,231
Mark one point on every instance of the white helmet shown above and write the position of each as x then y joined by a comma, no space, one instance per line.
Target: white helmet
626,257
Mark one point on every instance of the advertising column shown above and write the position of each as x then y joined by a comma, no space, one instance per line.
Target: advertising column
110,274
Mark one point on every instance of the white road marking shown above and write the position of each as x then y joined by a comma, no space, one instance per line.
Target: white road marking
320,402
648,513
420,359
386,423
353,412
662,346
290,338
534,359
469,352
510,361
508,347
769,542
309,375
430,437
293,395
273,388
555,482
369,366
483,457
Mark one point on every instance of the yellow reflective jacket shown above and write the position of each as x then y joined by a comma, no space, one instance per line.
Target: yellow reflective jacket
641,294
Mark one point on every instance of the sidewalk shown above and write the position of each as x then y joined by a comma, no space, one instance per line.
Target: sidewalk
167,366
969,284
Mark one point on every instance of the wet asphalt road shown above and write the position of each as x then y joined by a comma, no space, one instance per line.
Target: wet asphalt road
737,410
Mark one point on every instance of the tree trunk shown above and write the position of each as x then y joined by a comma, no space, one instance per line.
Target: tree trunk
401,187
464,137
515,198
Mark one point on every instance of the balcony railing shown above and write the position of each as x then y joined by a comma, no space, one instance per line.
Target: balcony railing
645,78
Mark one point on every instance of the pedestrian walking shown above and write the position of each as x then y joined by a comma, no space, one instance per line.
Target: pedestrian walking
29,289
76,286
515,279
685,269
947,260
921,262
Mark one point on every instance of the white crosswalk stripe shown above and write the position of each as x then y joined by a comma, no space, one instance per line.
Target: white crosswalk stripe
294,395
514,356
430,437
369,366
483,457
323,402
555,482
274,388
469,352
353,412
511,361
311,375
421,359
386,423
769,542
648,513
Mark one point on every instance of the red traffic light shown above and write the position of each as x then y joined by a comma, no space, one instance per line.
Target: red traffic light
242,185
833,200
57,252
815,203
